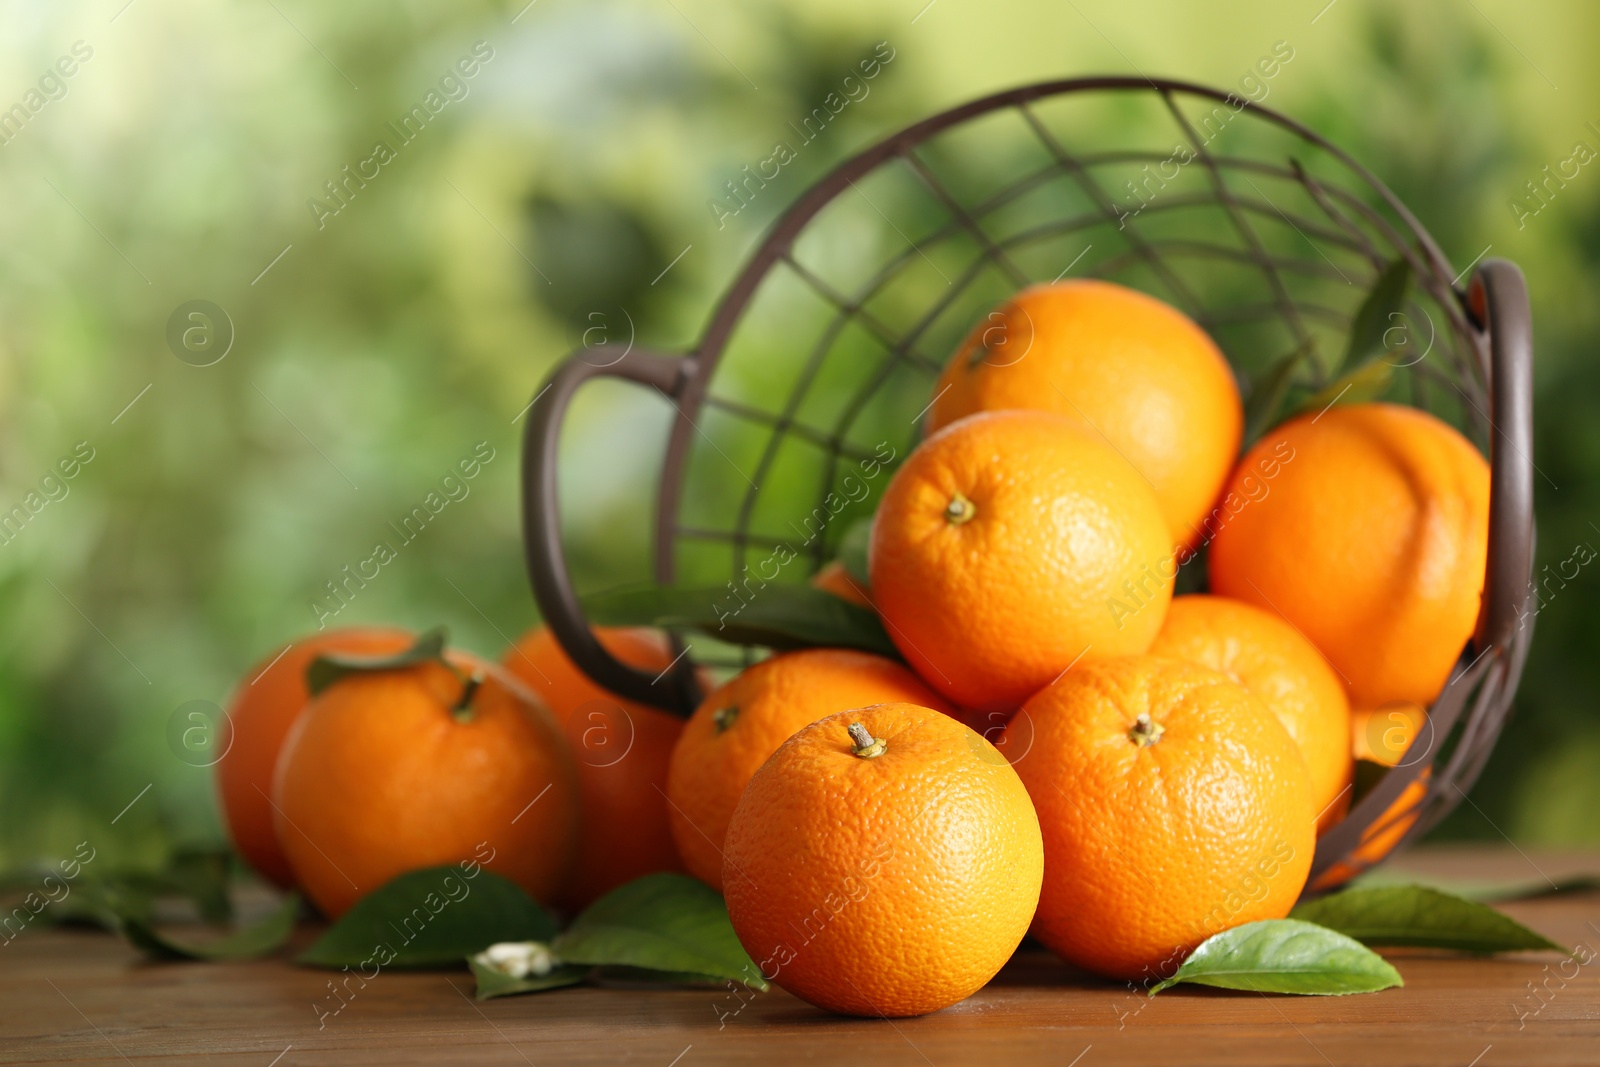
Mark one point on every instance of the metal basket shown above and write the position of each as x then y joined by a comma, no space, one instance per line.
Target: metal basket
823,350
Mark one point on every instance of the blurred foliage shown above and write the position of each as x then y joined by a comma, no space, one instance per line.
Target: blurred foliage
575,175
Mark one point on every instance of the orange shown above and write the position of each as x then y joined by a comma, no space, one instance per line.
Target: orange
622,750
1371,538
1174,806
1267,656
1382,735
885,861
392,771
744,721
834,578
268,700
1135,369
1010,545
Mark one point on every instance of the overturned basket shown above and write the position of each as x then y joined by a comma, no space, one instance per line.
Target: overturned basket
820,356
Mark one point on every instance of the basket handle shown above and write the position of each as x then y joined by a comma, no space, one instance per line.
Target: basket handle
1498,299
541,523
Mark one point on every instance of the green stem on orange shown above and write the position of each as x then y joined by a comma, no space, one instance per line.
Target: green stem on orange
960,510
1144,731
866,746
469,689
723,718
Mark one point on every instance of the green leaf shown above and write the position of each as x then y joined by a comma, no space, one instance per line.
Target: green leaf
431,918
203,875
1268,393
493,983
1285,956
261,939
1377,315
332,666
853,549
101,902
1420,916
99,896
1367,382
1365,778
1561,887
637,976
775,616
661,922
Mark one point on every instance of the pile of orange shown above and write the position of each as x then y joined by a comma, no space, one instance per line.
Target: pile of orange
526,767
1151,770
1183,755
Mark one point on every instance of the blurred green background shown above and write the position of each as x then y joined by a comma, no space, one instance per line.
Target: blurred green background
375,347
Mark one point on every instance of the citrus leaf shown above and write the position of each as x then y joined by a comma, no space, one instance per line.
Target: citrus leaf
1268,393
493,983
1420,916
261,939
1285,956
643,976
102,902
775,616
1484,891
1365,383
1561,887
1376,315
430,918
853,549
1364,778
661,922
203,875
104,898
329,667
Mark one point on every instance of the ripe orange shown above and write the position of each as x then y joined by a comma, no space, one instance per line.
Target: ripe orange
744,721
1173,805
1267,656
1382,735
622,750
391,771
1371,540
885,861
1135,369
1010,545
268,700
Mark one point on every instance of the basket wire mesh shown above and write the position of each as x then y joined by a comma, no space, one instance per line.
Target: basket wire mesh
815,369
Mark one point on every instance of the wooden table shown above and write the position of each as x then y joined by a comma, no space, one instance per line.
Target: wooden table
81,997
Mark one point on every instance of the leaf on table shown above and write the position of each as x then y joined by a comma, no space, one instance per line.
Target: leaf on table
260,939
1577,883
625,977
853,549
329,667
497,983
1420,916
1378,314
204,877
1285,956
431,918
661,922
775,616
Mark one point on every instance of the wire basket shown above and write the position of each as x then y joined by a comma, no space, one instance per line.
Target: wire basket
820,357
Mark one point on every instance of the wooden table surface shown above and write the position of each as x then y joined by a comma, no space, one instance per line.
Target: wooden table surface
76,996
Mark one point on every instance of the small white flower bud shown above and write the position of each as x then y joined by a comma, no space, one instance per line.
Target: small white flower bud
518,958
